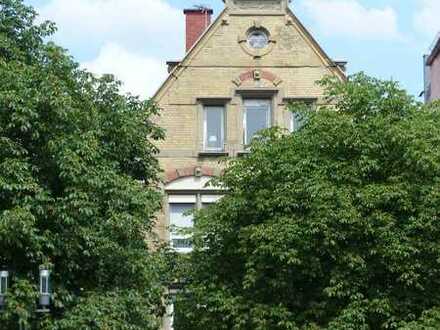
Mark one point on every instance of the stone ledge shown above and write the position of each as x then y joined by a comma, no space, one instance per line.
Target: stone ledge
213,154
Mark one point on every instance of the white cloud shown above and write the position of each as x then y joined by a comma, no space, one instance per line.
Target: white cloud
131,39
144,24
351,18
141,75
140,23
427,20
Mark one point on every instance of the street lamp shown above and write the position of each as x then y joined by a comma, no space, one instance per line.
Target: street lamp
4,283
44,288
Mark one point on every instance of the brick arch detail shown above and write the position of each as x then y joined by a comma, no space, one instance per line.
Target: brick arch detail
185,172
256,74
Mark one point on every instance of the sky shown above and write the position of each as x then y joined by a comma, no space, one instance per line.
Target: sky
133,39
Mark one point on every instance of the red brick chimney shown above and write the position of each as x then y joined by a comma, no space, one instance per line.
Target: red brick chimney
197,20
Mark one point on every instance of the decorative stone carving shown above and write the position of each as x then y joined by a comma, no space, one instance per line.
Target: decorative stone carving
197,171
237,82
257,75
289,21
258,4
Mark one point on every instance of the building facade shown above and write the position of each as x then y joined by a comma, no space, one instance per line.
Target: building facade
237,77
432,72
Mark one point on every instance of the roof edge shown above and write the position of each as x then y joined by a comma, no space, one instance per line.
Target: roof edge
435,50
318,47
189,53
336,69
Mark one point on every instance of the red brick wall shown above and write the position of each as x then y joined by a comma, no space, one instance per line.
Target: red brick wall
196,23
435,79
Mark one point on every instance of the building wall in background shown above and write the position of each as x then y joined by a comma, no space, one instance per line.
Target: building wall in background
435,78
432,72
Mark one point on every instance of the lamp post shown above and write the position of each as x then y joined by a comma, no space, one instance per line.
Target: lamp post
44,289
4,283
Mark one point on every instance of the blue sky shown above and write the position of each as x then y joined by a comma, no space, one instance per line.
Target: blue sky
134,38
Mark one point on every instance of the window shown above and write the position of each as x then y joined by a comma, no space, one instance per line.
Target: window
3,282
257,117
180,219
298,119
258,39
214,128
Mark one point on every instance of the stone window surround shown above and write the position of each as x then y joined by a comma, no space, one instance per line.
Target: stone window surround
311,100
239,95
202,102
256,52
235,101
222,127
197,199
190,188
256,93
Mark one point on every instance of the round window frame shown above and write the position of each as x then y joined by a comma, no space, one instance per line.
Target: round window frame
243,40
255,32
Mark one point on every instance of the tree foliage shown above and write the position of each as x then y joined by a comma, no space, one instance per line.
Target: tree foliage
336,226
77,187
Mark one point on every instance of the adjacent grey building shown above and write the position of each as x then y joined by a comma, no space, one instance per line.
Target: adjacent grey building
432,72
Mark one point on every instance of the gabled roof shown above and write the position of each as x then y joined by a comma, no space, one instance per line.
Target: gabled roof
189,54
198,45
435,50
317,47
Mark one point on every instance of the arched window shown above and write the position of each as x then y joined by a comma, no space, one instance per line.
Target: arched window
185,195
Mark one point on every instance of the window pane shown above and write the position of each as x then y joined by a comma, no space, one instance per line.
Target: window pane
44,288
257,117
3,285
297,121
179,216
182,243
214,128
180,219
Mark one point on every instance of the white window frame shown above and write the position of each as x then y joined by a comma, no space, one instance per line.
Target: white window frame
198,200
187,200
206,108
310,102
268,116
292,120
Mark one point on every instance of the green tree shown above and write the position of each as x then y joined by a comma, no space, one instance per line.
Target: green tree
336,226
78,188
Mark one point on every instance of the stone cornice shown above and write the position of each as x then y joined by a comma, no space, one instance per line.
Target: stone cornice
256,6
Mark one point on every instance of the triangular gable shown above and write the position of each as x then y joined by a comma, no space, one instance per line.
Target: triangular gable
198,46
317,47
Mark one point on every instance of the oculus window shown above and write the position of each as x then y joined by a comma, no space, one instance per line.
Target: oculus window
258,39
214,128
257,116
